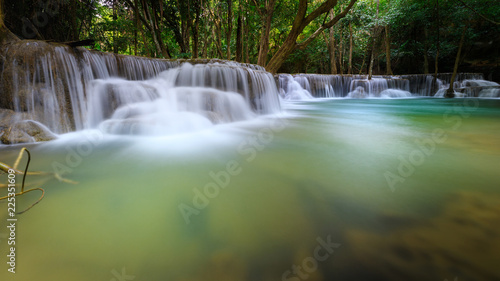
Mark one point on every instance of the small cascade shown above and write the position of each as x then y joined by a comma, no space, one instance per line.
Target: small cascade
378,85
395,93
294,88
473,86
423,85
324,86
320,85
481,88
338,86
68,89
165,111
394,86
358,93
181,99
490,93
372,87
459,79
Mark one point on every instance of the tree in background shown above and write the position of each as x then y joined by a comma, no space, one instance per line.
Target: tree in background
363,36
301,21
265,10
57,20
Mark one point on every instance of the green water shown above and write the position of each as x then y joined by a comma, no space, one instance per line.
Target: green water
323,171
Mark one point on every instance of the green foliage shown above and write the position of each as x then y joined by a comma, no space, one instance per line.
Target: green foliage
417,28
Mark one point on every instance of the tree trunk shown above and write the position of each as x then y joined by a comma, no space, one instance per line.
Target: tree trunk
372,55
184,7
450,93
239,35
136,18
332,45
264,41
148,51
246,32
341,51
157,30
206,44
218,30
229,27
374,40
426,51
349,70
195,39
74,24
301,21
151,26
280,56
388,51
363,64
436,61
195,28
267,16
115,31
373,52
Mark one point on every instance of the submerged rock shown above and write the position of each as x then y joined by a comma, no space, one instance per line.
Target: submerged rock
461,240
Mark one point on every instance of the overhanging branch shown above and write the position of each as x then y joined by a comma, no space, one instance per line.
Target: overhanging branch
476,12
332,22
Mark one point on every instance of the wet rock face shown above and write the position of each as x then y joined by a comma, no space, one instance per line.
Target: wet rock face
14,129
51,83
32,81
19,69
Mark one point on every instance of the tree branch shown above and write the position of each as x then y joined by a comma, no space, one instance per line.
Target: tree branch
299,18
332,22
323,8
476,12
261,12
341,15
144,21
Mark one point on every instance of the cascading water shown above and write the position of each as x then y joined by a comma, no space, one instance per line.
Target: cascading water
252,201
73,89
62,89
180,99
402,86
294,88
378,87
353,86
481,88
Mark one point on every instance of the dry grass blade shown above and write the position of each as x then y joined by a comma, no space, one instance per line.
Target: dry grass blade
5,168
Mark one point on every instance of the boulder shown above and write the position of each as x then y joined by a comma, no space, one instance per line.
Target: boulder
26,131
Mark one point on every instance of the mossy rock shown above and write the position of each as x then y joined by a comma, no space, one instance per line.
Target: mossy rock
26,131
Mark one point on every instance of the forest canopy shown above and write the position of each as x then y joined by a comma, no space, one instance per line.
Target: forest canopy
309,36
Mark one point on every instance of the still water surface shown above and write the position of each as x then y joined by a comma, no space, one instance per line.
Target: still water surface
402,189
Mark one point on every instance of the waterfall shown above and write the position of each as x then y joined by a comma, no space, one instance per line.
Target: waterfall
385,86
68,89
481,88
61,89
180,99
376,86
331,86
294,88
